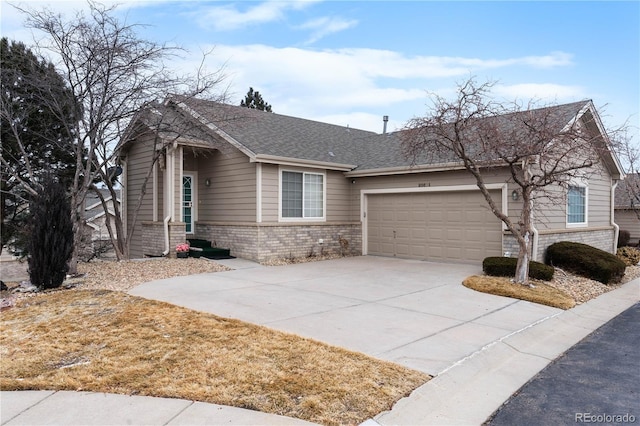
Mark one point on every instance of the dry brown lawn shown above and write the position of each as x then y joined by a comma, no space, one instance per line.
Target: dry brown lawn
108,341
539,293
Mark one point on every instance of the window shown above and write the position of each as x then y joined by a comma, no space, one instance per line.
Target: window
302,195
577,205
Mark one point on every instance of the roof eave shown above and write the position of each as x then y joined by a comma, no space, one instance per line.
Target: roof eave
418,168
298,162
217,130
609,156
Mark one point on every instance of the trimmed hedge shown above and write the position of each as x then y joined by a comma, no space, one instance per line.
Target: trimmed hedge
506,267
586,261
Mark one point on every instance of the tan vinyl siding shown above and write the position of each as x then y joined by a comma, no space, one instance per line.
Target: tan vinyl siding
160,191
177,185
231,197
338,194
628,220
418,180
553,215
270,182
600,199
139,160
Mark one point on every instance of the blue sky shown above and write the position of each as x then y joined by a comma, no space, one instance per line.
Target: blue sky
350,63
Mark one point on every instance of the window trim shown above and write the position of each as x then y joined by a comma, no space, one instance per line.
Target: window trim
323,173
586,206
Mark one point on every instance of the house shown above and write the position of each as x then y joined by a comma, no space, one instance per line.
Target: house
627,206
97,240
273,186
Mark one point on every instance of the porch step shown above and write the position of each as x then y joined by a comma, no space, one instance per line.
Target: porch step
208,251
216,253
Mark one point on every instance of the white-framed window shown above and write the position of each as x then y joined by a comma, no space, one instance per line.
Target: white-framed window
577,203
302,195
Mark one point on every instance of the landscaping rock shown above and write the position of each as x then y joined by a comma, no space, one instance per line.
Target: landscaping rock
26,287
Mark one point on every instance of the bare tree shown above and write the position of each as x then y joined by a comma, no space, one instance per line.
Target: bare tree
113,75
629,153
542,148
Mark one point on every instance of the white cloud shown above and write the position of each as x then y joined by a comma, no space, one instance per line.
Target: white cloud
324,26
358,86
230,17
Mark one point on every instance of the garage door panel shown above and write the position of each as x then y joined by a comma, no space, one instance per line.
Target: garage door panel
433,226
403,250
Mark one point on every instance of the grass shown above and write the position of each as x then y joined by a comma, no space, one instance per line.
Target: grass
502,286
107,341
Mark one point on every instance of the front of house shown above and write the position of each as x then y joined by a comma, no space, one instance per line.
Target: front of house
271,186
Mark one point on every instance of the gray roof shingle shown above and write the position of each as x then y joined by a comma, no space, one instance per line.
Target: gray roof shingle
264,133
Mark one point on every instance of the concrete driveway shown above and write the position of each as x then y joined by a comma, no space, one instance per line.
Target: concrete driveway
409,312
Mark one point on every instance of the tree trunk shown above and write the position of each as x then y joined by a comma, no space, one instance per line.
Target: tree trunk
522,267
77,242
525,234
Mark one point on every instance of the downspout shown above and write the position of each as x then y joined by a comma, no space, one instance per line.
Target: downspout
166,236
534,242
616,228
169,196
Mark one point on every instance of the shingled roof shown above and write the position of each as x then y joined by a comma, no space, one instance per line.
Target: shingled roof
262,134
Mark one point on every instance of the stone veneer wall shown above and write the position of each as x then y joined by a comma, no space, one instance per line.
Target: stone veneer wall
153,237
263,242
601,238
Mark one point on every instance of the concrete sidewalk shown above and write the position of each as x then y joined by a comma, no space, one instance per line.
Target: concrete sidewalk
470,391
86,408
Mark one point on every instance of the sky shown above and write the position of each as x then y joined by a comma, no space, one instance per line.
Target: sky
352,62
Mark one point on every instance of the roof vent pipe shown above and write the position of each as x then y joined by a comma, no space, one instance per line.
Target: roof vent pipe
385,120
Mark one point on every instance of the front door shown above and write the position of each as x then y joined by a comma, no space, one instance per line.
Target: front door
187,202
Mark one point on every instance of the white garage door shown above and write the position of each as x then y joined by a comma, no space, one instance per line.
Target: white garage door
436,226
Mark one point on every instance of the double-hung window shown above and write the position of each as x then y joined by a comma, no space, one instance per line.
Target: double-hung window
577,205
302,195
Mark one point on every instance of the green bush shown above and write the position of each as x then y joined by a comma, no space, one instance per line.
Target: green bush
586,261
629,255
506,267
51,243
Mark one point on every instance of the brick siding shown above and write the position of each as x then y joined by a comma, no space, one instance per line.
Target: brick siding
261,242
600,238
153,237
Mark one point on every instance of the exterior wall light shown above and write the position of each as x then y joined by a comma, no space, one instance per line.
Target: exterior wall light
207,182
515,195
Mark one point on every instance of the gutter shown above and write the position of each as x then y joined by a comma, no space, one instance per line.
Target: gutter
298,162
419,168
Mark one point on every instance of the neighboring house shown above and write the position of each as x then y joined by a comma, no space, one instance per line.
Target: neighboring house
272,186
627,210
98,240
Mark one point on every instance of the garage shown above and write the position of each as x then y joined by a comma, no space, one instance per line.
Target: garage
435,226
